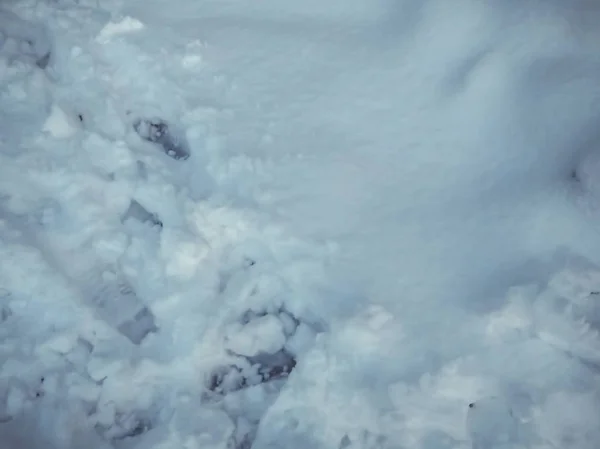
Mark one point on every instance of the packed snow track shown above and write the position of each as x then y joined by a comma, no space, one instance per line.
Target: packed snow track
342,224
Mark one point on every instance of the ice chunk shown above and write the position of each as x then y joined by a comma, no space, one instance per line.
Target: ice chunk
158,131
492,424
261,335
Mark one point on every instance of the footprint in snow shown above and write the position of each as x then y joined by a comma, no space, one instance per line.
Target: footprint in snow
165,135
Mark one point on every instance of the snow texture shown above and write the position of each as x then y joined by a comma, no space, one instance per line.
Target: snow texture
491,424
352,224
137,212
33,38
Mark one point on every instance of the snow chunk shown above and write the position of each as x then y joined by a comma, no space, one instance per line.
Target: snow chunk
512,321
108,156
58,124
15,401
110,245
101,367
61,344
193,56
209,426
288,322
88,391
182,254
301,341
370,337
262,335
125,26
189,61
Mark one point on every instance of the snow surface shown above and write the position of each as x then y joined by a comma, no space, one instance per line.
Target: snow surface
385,235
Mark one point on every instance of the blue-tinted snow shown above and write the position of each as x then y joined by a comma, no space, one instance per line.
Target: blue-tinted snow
389,212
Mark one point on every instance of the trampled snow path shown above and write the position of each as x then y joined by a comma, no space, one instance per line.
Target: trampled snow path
237,302
77,191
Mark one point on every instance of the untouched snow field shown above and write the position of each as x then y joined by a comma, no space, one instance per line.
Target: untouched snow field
342,224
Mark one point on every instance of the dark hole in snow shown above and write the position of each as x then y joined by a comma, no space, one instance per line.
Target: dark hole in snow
265,368
345,442
282,369
42,62
250,315
226,379
140,428
5,313
471,405
244,443
138,212
161,133
139,327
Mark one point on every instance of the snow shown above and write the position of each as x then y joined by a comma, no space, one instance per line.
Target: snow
262,335
492,424
123,26
31,37
349,224
59,124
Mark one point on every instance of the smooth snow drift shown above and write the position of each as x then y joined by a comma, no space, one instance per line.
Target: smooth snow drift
349,224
